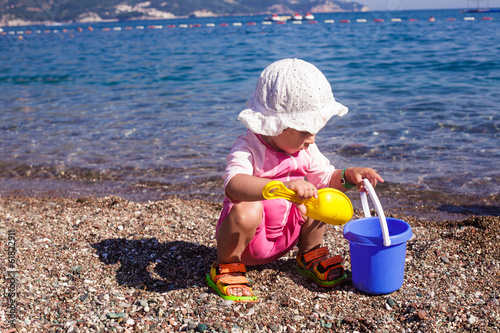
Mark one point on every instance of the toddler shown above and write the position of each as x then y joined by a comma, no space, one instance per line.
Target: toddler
291,103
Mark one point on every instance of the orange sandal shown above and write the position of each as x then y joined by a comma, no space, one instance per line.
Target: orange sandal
224,276
326,271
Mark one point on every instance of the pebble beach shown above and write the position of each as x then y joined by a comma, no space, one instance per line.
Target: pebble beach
114,140
107,264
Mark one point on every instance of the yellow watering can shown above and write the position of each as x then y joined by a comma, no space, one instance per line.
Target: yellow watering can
331,206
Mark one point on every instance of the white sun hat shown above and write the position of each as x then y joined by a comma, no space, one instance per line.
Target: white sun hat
290,93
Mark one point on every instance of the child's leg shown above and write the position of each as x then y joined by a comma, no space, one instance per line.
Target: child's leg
314,260
237,230
311,235
234,235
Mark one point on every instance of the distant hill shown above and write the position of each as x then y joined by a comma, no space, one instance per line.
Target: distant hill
21,12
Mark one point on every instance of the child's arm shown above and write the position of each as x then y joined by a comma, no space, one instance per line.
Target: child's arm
244,187
354,176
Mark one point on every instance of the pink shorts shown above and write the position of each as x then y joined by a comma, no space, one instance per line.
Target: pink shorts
276,235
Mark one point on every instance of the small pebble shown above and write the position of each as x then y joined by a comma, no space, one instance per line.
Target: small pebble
329,318
274,327
445,260
202,327
421,314
226,302
349,320
472,319
202,296
116,315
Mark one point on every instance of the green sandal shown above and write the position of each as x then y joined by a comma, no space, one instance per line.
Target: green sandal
317,265
223,276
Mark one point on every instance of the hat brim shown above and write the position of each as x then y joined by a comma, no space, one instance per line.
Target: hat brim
273,124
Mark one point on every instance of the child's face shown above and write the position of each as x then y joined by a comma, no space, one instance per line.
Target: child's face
291,140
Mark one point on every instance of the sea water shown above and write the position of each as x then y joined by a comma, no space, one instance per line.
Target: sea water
153,104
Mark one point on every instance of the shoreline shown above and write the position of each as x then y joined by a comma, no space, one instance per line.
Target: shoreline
411,200
93,263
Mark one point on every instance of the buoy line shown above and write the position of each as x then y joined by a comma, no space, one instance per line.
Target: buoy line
20,33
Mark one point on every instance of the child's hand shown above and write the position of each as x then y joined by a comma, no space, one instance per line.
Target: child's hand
304,190
356,176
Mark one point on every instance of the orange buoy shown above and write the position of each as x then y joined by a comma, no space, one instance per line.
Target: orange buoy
345,21
224,24
378,20
487,18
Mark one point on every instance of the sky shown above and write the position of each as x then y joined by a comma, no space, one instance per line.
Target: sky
428,4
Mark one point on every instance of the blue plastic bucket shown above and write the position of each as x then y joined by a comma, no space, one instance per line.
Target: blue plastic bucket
377,269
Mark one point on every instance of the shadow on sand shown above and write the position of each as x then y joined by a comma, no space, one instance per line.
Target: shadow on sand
153,266
149,265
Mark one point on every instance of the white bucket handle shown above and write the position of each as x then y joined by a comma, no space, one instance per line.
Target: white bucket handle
378,207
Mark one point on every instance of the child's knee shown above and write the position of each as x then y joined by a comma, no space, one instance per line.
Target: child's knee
246,215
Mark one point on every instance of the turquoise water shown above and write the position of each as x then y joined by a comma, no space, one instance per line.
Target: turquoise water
156,107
